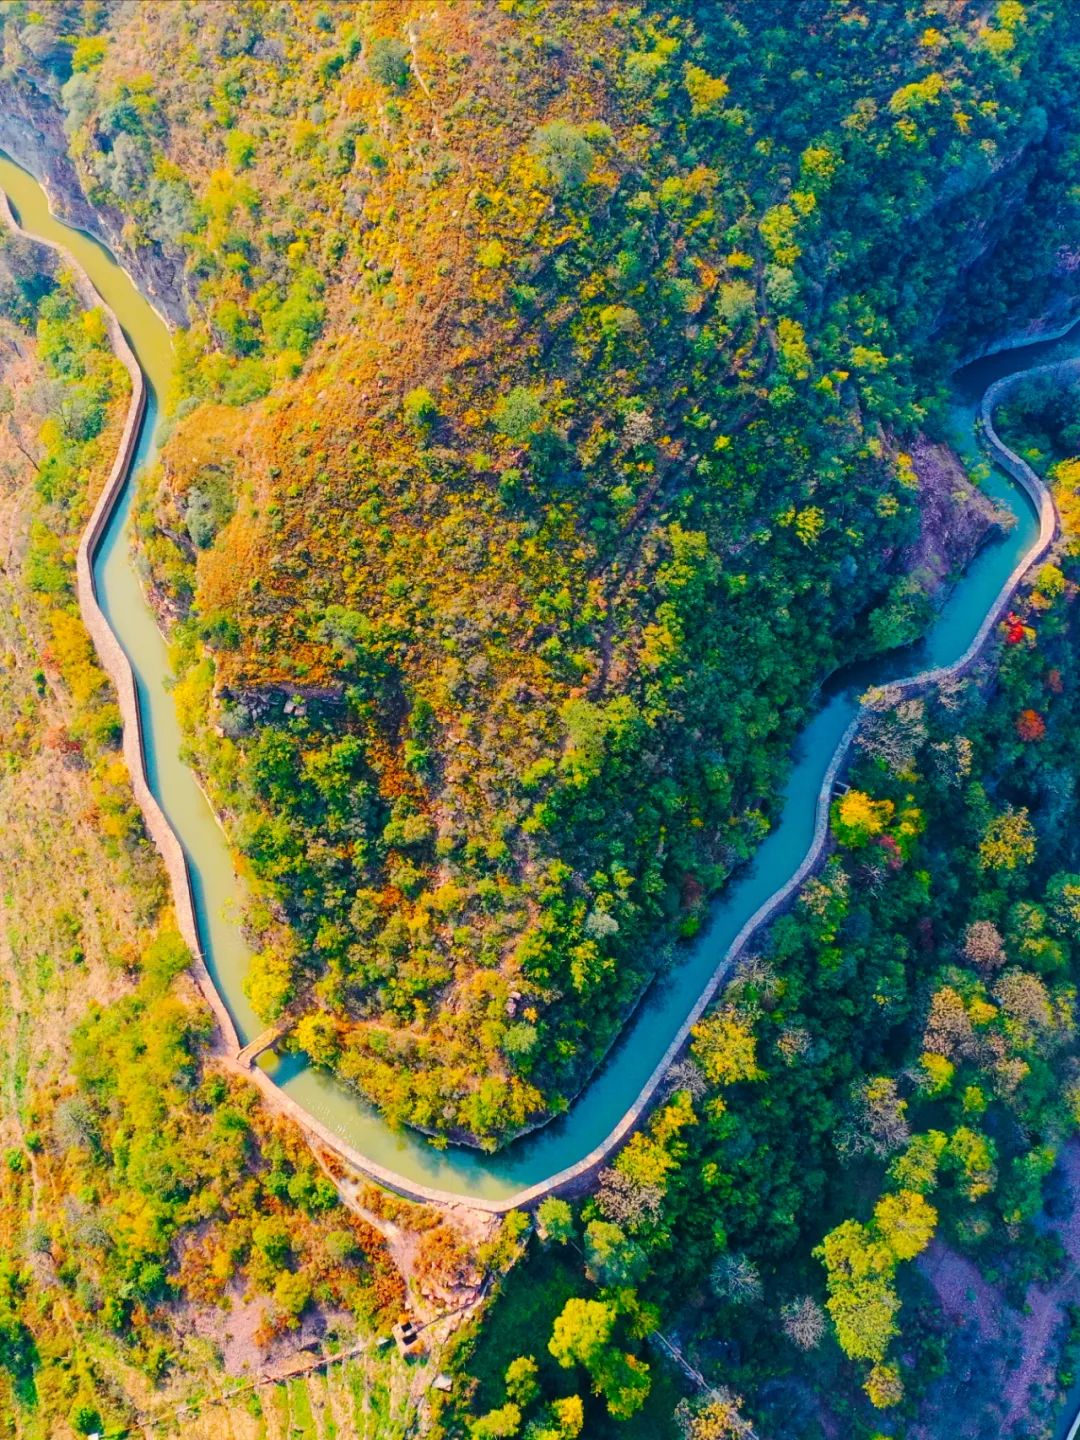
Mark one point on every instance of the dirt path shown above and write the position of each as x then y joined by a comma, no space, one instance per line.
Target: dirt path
1044,1307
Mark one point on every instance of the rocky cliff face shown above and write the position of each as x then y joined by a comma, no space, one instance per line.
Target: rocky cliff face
956,518
32,133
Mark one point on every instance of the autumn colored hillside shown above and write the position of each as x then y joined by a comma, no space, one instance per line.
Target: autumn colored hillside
543,438
162,1240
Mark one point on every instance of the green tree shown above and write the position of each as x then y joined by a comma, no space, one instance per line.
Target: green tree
565,151
581,1333
240,149
582,1336
497,1424
557,1219
388,62
292,1291
519,414
420,410
611,1256
521,1382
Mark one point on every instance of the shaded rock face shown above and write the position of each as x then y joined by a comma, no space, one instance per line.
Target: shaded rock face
1053,319
32,133
957,518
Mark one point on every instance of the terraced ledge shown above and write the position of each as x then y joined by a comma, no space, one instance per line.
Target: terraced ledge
226,1043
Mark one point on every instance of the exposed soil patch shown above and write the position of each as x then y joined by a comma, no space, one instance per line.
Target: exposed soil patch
233,1331
1004,1361
1045,1307
964,1295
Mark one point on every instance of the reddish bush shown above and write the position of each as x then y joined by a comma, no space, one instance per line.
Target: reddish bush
1030,725
1014,631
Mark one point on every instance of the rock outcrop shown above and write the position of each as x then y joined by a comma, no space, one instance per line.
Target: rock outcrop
32,133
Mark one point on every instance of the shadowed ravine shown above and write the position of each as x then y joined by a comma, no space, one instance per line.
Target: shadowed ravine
610,1104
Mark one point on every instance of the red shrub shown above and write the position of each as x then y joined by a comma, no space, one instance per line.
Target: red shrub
1030,725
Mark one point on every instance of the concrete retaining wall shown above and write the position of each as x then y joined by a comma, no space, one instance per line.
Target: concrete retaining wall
226,1041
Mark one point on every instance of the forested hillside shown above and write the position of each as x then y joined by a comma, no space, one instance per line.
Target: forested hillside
561,397
856,1209
544,438
161,1237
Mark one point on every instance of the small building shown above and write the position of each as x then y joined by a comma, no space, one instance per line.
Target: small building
407,1337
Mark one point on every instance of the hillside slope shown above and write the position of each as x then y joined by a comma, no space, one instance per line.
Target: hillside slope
543,439
162,1240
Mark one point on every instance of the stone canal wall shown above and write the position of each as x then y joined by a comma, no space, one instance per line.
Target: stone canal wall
227,1043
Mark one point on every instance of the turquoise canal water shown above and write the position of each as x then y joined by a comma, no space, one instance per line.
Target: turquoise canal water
569,1139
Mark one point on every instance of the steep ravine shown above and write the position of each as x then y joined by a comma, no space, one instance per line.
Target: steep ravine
32,133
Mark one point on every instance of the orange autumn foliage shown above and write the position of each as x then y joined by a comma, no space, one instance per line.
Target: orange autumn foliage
1030,725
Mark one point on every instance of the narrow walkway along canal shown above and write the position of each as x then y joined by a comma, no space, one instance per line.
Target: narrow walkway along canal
610,1102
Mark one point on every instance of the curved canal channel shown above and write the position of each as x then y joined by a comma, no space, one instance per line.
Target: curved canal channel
610,1103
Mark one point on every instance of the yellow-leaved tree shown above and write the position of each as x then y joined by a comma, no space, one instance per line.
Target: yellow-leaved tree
857,818
1008,840
725,1047
860,1264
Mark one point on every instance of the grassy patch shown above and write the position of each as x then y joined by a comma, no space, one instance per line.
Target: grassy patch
303,1421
